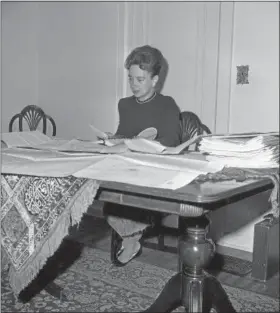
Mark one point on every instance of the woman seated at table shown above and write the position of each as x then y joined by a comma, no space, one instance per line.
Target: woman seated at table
146,108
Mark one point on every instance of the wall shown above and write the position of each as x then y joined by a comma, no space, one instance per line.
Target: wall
19,61
203,43
65,58
255,106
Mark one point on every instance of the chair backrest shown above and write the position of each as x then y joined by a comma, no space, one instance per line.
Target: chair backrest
191,125
32,114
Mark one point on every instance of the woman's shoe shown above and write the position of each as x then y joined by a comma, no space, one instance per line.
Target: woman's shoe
118,263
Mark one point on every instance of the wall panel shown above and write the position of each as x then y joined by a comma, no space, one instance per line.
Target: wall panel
255,106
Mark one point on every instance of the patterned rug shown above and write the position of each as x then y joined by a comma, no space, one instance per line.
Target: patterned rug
92,284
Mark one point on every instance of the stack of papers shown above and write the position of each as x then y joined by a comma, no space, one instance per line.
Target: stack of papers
243,150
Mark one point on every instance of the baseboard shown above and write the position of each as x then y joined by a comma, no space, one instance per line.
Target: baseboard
237,253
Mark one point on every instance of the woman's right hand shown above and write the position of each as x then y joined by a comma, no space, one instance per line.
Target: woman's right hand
112,136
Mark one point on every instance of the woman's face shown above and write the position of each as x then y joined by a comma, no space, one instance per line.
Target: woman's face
141,83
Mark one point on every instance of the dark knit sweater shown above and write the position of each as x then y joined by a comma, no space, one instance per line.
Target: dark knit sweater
161,112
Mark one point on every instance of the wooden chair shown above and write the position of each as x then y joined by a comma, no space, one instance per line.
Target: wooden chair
190,125
32,115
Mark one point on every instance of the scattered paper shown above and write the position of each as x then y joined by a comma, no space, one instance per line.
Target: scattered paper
116,149
61,166
154,147
123,171
76,145
53,144
25,138
112,140
186,162
145,145
41,155
98,133
148,133
148,170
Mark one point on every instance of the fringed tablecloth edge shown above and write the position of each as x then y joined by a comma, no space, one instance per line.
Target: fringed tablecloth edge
241,174
79,205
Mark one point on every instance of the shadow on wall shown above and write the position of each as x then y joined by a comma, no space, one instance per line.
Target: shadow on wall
162,76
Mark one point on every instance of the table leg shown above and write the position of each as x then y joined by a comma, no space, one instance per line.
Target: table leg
56,291
193,288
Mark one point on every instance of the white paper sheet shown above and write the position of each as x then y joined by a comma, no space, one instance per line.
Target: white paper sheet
42,155
25,138
98,133
73,146
148,133
76,145
51,167
111,140
123,171
54,144
149,171
186,162
154,147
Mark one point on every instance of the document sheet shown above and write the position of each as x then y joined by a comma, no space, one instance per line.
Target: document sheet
154,147
164,172
112,140
61,166
25,138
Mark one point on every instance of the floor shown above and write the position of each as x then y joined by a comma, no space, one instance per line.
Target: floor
96,232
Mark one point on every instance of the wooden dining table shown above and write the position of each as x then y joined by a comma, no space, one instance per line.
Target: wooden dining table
192,286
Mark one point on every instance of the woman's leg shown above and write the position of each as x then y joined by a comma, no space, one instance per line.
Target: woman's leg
130,226
131,232
126,227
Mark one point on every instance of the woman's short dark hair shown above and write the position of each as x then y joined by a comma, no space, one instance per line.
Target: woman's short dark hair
147,58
